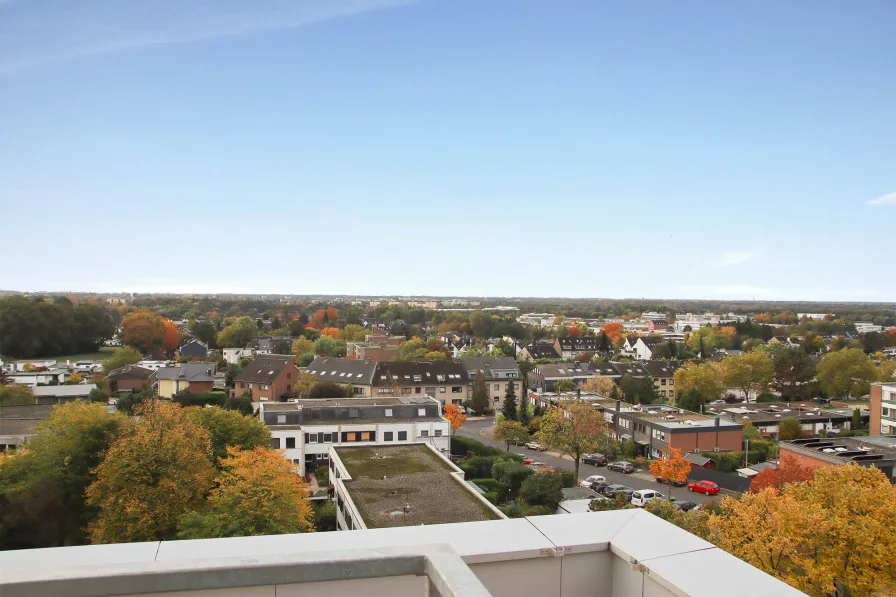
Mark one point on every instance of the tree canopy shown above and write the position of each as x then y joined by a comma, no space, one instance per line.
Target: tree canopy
849,371
36,328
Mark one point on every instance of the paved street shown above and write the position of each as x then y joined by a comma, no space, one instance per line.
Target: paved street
474,427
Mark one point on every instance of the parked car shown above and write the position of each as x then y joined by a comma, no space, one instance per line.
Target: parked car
592,479
821,400
611,491
707,487
674,483
527,460
686,506
536,446
594,459
622,466
718,403
599,486
112,401
642,496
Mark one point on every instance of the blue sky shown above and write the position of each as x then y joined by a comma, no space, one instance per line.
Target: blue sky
457,147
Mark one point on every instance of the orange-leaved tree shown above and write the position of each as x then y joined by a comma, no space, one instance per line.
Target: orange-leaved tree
614,333
171,338
157,470
832,536
672,468
258,492
789,471
455,415
331,332
143,330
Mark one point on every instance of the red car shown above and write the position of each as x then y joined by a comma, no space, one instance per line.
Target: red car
707,487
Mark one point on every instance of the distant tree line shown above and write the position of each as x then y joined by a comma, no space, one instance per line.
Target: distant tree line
36,328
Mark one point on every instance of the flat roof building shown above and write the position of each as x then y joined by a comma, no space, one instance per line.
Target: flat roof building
395,486
877,451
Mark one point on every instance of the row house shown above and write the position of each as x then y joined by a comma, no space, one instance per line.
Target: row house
538,350
268,377
499,374
570,347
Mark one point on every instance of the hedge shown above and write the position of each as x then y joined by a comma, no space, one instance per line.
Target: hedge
187,399
501,491
467,446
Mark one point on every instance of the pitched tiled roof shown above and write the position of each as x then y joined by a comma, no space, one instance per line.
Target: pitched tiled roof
192,372
130,372
419,372
542,351
343,370
661,368
589,343
265,368
489,364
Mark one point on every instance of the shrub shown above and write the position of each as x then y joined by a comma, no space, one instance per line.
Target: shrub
467,446
98,395
243,404
602,505
185,398
322,474
767,397
522,509
542,490
491,496
325,516
500,490
567,478
478,467
512,474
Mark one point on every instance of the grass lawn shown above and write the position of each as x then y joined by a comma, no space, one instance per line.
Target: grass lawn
101,355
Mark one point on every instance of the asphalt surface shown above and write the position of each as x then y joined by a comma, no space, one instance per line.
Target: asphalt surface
637,480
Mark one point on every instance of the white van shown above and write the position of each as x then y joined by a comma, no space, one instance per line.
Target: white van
592,479
641,497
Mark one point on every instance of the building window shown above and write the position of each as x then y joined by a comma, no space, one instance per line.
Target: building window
671,382
421,412
456,401
262,387
358,390
281,419
387,436
350,436
497,398
388,412
663,381
312,438
405,390
431,390
442,390
457,389
328,438
497,387
242,385
290,443
424,433
663,393
275,443
250,386
289,376
366,436
438,433
402,436
418,390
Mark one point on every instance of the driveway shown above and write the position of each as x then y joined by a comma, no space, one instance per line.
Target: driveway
638,480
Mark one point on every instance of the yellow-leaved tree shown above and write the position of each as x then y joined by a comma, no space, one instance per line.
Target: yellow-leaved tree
156,470
576,429
832,536
602,386
258,492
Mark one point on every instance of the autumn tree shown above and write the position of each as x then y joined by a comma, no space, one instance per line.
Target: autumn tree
511,432
238,334
455,415
614,331
565,385
157,470
847,372
171,337
257,492
704,377
74,379
304,384
143,330
832,536
353,333
44,485
671,468
331,333
574,429
789,470
752,370
414,349
301,346
321,317
331,347
509,408
121,357
16,395
230,429
789,428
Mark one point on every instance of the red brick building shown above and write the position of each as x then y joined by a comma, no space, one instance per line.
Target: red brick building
129,378
269,377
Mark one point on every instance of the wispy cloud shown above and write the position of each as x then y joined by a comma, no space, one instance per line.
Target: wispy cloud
888,199
730,259
35,34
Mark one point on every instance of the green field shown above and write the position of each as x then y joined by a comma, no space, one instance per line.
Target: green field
101,355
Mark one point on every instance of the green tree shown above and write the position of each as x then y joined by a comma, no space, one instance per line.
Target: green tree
205,331
793,369
98,395
748,371
789,428
542,490
509,409
511,432
257,492
847,372
565,385
120,358
523,415
692,400
706,378
15,395
45,484
230,429
856,419
574,429
326,346
238,334
413,350
156,471
479,402
638,389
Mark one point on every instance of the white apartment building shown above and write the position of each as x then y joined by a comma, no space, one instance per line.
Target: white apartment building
306,429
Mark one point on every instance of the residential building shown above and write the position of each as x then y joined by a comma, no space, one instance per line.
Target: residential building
371,351
194,349
653,316
863,327
385,339
812,316
233,356
622,553
766,416
269,377
306,429
345,372
543,378
656,325
644,345
883,408
540,350
195,378
36,378
876,451
130,378
446,381
499,373
402,486
570,347
663,374
18,424
60,394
